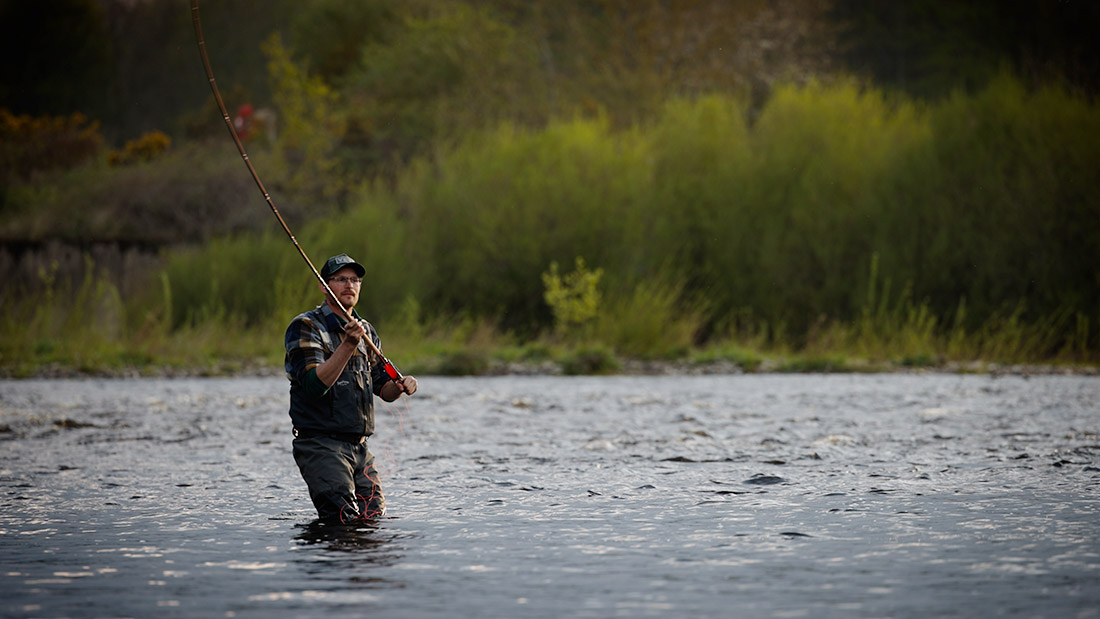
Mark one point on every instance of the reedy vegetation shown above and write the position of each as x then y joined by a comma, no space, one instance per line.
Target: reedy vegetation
840,224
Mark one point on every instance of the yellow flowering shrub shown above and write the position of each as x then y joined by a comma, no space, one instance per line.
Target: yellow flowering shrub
37,143
146,148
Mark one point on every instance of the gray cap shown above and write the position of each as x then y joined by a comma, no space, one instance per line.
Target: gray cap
341,261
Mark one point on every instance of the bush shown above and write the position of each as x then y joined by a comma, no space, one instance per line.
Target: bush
590,360
573,298
463,363
486,217
146,148
841,219
35,144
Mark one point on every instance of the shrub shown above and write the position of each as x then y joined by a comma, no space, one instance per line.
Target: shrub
590,360
146,148
463,363
31,144
573,298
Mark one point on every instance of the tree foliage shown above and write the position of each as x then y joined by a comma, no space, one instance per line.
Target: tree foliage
930,48
710,158
57,56
309,126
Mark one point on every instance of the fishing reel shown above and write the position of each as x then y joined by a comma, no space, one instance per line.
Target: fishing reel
391,369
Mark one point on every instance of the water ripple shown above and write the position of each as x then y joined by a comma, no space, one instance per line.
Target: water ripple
823,496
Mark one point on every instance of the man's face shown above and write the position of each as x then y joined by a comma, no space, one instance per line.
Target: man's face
345,285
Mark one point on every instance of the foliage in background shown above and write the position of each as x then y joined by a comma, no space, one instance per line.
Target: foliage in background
330,34
146,148
441,70
188,194
929,48
775,224
57,54
486,217
44,143
574,298
735,199
85,325
133,65
442,73
309,126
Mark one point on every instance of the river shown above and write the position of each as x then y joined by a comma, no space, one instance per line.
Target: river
885,495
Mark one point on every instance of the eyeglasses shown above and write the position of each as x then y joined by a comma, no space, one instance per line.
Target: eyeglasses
350,281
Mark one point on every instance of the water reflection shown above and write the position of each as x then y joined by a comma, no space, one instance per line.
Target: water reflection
347,552
371,540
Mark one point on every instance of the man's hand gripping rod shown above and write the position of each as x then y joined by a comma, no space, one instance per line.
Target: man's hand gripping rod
391,369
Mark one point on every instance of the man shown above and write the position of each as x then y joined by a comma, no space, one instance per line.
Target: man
334,377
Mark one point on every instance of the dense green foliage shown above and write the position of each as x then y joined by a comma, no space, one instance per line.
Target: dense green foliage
989,202
839,220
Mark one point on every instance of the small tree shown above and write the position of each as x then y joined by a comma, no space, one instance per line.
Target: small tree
309,126
574,298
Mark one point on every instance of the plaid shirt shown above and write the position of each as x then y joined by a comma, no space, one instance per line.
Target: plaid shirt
311,338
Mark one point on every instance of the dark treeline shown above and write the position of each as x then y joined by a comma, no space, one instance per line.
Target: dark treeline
928,48
131,64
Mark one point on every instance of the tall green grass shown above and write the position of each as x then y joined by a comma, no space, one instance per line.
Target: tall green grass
85,325
839,220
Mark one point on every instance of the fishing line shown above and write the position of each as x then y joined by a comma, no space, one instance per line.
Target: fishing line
386,452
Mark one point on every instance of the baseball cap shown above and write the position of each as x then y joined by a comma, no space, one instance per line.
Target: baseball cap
341,261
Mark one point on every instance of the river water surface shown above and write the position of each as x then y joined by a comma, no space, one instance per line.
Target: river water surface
704,496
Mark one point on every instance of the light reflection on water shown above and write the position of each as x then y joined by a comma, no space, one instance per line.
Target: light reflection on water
846,496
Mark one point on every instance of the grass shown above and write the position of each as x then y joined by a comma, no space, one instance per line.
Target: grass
85,326
464,348
841,229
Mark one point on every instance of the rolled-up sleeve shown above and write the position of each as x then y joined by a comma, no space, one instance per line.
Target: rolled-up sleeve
304,348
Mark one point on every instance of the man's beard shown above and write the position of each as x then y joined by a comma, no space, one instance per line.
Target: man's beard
340,302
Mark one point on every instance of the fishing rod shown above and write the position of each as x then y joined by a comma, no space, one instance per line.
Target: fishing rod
391,369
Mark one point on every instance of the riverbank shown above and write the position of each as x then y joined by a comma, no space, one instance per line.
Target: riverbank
621,367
